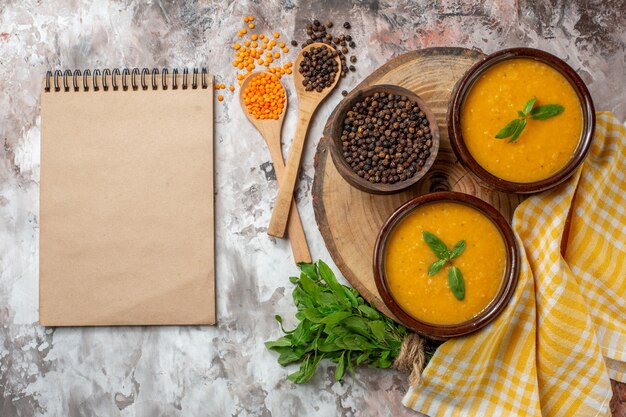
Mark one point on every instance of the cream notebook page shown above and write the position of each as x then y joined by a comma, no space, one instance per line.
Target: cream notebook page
126,203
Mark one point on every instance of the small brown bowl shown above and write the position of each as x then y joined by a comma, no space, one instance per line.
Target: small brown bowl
335,129
495,307
464,85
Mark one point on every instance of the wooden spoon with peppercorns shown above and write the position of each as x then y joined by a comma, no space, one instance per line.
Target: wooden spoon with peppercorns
270,130
317,70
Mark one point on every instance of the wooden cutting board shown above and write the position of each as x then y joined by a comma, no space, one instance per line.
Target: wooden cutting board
349,219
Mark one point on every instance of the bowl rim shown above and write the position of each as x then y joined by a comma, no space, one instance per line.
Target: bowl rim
336,122
464,85
495,306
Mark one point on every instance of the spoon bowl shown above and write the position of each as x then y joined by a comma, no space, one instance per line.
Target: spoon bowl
263,125
298,78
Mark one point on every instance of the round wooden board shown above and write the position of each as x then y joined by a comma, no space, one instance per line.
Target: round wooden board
349,219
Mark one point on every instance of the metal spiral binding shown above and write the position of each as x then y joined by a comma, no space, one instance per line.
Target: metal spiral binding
164,79
66,74
174,78
87,74
125,73
105,74
103,79
114,74
155,72
96,74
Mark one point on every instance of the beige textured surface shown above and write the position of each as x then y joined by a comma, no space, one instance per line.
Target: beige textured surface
126,210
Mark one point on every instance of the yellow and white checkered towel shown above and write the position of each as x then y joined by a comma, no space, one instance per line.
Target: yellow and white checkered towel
552,351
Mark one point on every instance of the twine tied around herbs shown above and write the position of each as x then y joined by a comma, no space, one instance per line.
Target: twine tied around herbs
412,358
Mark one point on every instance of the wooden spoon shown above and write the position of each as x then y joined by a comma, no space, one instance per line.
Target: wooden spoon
307,104
271,132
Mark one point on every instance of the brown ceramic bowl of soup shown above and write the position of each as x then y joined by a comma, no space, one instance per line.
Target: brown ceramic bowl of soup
490,96
335,130
427,299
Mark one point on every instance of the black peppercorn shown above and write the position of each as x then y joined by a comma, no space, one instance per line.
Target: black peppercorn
353,59
318,32
344,93
378,140
319,68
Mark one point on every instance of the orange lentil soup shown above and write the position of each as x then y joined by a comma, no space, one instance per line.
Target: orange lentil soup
545,146
407,258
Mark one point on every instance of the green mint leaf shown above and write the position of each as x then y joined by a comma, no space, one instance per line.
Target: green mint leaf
337,317
296,376
382,363
302,334
309,286
456,283
327,274
355,342
509,129
529,106
327,302
515,127
351,297
458,249
339,331
378,330
546,111
340,369
313,315
306,371
309,270
350,365
363,357
328,346
436,266
301,299
329,277
357,325
316,328
369,312
519,131
279,319
280,342
436,245
289,356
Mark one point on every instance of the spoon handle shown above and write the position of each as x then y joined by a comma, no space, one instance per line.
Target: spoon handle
297,238
280,214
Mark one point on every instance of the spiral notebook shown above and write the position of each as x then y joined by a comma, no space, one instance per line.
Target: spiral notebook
126,200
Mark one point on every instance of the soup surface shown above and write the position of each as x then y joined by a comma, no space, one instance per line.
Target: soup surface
545,146
407,258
